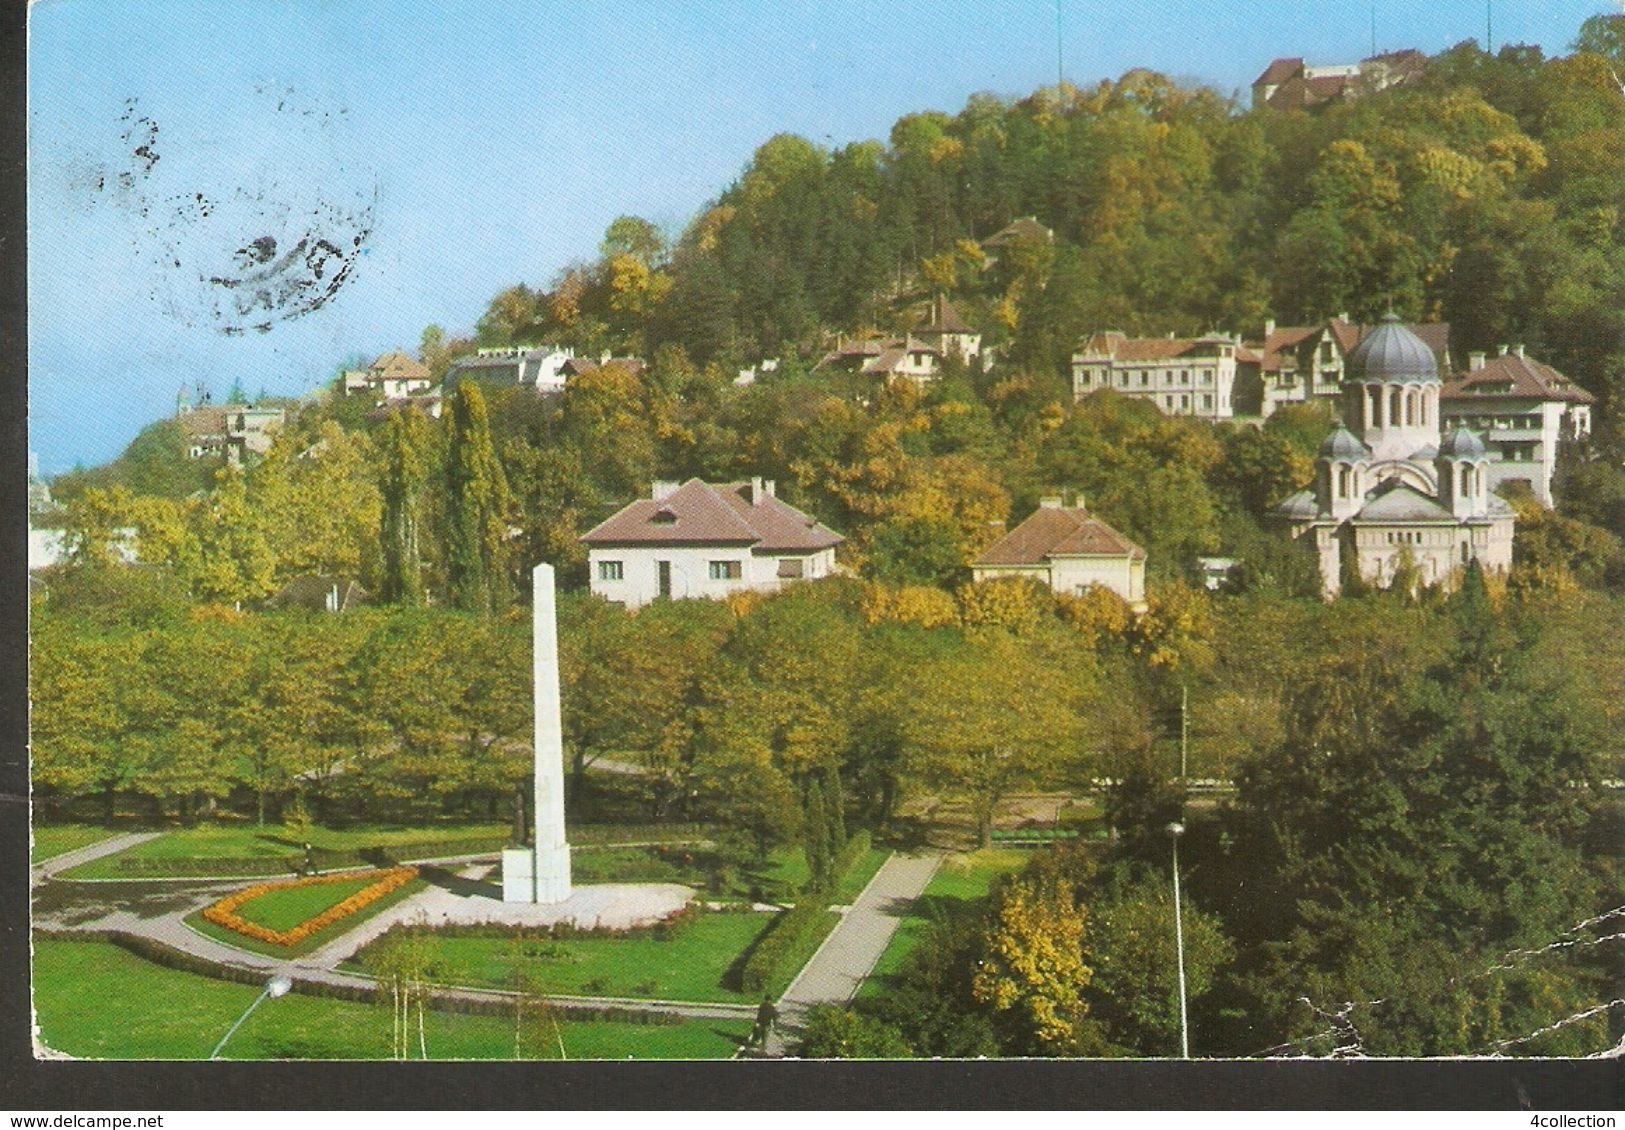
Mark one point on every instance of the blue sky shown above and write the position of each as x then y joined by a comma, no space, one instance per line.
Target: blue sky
435,153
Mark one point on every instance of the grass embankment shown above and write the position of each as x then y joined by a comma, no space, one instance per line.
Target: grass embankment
285,909
226,842
961,880
690,966
52,840
98,1001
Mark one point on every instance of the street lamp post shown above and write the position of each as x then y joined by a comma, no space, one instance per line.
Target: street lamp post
1175,830
277,986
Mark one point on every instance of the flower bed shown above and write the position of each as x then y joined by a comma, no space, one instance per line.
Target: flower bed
224,913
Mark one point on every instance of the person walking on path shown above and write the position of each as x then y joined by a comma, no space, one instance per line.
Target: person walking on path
766,1017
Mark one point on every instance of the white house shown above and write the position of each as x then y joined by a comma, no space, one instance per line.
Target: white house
1181,376
1069,550
1525,411
542,367
706,540
394,376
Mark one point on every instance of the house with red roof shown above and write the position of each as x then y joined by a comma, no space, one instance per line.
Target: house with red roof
699,539
1524,409
1181,376
1068,549
1292,84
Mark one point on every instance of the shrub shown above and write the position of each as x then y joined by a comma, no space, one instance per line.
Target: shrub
764,963
224,913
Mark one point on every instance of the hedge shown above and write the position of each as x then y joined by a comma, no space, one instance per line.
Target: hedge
169,957
384,855
765,960
857,846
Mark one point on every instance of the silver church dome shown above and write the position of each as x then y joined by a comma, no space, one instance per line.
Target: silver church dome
1392,353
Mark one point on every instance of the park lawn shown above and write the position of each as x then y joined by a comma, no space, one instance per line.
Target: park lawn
285,908
52,840
239,841
688,967
97,1001
960,880
284,903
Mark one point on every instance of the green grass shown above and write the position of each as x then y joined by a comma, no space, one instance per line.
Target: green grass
688,967
238,841
317,940
800,955
286,908
52,840
961,880
97,1001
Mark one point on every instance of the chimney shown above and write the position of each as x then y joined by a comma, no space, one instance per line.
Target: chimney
1475,360
1502,350
1518,349
1051,502
1269,327
663,488
760,488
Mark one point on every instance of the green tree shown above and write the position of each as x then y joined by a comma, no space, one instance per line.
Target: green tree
478,504
404,447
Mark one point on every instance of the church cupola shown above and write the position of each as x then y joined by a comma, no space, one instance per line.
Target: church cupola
1340,473
1391,391
1463,469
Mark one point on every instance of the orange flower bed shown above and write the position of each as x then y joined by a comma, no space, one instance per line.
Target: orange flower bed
224,913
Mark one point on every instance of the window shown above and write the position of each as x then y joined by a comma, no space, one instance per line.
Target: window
1207,401
726,571
610,571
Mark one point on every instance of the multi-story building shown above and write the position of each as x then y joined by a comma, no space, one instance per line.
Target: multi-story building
917,356
705,540
231,430
1181,376
1291,84
542,367
1525,410
1301,364
1070,550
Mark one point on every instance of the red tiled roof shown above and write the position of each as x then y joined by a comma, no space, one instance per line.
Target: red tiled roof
1528,379
1122,348
399,367
1279,71
943,317
699,513
1053,531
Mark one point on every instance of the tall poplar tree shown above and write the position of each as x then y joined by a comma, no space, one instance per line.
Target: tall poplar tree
405,443
479,502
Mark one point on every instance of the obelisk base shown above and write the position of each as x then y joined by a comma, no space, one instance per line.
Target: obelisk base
532,876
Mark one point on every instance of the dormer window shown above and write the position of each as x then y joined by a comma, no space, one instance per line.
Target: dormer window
664,517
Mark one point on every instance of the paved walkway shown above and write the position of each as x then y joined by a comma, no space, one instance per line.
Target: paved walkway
111,846
852,948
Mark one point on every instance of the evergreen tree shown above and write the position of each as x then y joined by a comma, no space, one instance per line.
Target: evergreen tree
478,503
404,443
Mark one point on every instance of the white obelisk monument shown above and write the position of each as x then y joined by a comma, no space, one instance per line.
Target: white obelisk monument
541,873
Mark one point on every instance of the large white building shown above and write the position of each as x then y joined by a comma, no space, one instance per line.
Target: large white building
1525,410
1068,549
1388,486
1181,376
706,540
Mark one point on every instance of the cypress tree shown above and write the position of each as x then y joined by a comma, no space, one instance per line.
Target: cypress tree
477,493
816,843
405,442
835,806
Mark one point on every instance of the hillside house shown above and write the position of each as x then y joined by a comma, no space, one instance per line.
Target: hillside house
1301,364
544,368
394,376
229,430
1069,550
1292,84
701,539
1524,409
1181,376
917,356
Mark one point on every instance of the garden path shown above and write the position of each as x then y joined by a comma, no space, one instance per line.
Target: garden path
852,948
111,846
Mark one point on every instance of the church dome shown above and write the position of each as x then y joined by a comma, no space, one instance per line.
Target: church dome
1343,445
1392,353
1462,444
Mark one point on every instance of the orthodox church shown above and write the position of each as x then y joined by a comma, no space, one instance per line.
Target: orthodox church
1388,486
